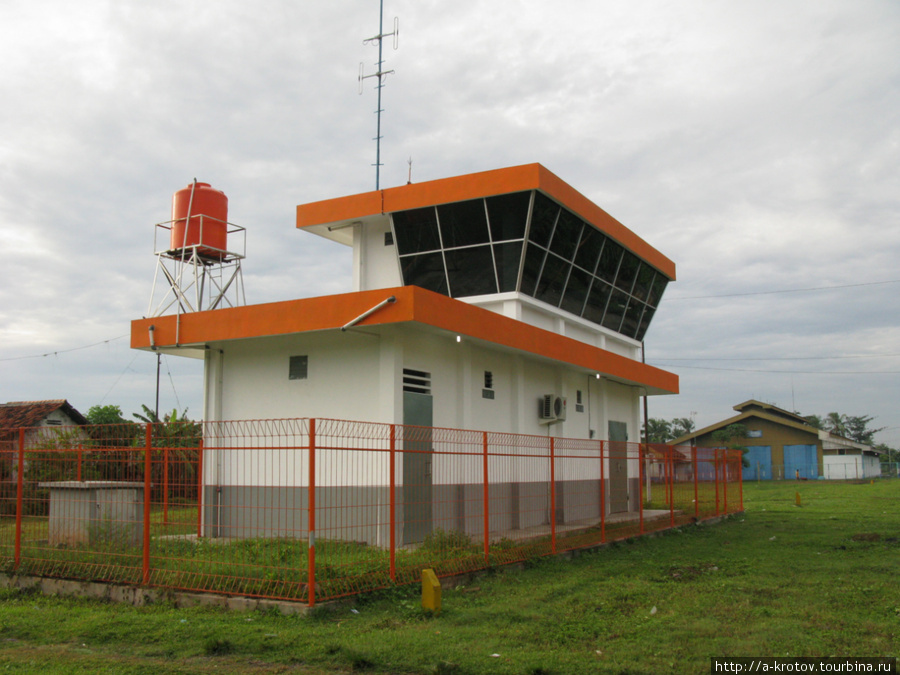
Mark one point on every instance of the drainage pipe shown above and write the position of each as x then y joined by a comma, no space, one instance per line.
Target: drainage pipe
368,313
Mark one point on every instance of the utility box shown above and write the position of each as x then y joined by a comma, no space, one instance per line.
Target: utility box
94,512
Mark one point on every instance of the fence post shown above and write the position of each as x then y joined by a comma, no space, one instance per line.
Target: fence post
148,485
602,496
670,456
696,482
716,467
552,495
165,486
20,475
392,500
78,454
200,488
640,487
741,481
311,506
486,493
724,481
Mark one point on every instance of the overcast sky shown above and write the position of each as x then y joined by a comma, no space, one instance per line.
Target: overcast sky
756,143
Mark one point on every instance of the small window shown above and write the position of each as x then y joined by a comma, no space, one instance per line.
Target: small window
388,238
579,404
488,390
298,368
754,433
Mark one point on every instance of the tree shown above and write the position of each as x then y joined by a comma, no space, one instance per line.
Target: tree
729,437
657,430
836,423
814,421
681,426
857,428
105,414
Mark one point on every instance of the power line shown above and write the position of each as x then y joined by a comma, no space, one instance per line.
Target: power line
782,358
64,351
788,290
790,372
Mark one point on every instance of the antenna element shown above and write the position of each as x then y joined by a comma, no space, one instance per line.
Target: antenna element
380,74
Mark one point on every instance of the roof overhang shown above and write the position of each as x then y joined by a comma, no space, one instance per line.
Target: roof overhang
333,218
413,305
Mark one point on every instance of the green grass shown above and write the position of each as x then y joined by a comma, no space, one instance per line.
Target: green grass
815,580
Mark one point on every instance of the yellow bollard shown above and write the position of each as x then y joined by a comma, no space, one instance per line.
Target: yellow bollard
431,591
798,499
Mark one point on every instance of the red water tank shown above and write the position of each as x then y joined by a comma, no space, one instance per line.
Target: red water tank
200,218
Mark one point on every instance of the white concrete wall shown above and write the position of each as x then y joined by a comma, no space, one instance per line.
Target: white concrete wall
850,467
357,375
374,264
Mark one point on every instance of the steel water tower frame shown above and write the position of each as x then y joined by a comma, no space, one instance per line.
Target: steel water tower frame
192,249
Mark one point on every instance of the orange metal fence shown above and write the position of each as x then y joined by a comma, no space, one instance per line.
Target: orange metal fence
313,509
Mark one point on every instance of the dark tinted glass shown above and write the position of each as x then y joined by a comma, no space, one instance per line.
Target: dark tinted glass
426,271
632,318
644,282
609,261
507,215
597,299
553,280
657,290
589,248
645,323
508,257
416,230
627,272
567,235
463,223
615,310
470,271
534,260
543,218
576,291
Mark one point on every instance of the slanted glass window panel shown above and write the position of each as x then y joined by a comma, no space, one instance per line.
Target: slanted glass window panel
543,218
589,247
508,215
609,261
470,271
576,291
615,310
416,230
632,318
644,282
553,280
645,323
657,290
566,235
425,270
597,299
463,223
531,270
627,271
508,257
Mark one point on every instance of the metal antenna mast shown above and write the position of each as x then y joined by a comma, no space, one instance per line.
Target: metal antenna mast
380,74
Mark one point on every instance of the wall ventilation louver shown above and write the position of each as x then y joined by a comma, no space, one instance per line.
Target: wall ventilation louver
416,381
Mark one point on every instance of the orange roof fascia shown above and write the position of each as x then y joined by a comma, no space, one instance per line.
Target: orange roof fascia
475,186
413,304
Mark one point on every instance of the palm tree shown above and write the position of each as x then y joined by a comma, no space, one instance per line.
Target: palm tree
836,423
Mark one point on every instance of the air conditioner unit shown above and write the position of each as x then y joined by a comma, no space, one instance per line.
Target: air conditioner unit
553,409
